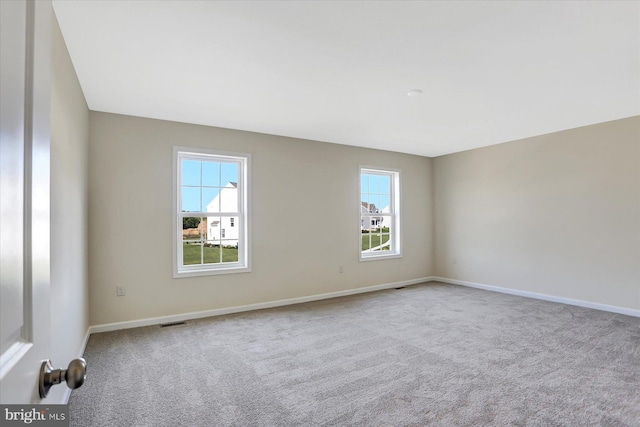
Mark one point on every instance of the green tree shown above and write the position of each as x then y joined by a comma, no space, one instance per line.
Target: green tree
190,222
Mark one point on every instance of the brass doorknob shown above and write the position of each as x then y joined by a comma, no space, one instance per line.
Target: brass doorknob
74,375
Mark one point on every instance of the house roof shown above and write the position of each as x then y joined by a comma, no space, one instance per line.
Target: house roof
370,206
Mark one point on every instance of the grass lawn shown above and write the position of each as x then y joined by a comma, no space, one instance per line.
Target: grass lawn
191,254
376,240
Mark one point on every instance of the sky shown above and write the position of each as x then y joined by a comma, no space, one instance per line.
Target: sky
375,189
202,180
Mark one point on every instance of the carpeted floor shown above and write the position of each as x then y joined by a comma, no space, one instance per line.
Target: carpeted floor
430,354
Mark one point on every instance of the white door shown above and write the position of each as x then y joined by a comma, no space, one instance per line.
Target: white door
25,67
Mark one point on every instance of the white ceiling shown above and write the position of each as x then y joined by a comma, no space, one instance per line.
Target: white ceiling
340,71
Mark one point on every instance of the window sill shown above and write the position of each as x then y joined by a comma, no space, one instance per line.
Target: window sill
379,257
209,272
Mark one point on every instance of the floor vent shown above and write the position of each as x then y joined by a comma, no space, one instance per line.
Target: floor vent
165,325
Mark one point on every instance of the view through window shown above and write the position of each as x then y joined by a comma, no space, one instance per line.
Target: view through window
211,216
379,219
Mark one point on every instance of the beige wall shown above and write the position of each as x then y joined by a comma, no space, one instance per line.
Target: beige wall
557,214
69,210
308,190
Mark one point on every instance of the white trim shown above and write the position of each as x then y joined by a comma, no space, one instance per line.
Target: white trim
228,268
378,257
83,347
250,307
544,297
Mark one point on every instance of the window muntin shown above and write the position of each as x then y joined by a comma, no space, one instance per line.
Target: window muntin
211,194
379,213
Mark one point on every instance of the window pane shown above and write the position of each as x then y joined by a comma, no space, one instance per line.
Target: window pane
228,223
375,240
384,238
364,183
365,203
191,253
191,227
385,186
229,251
373,203
210,199
373,183
211,252
190,172
190,199
229,172
213,229
229,199
384,204
366,240
211,174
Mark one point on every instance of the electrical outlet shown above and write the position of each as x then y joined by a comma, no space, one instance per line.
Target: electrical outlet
120,291
340,269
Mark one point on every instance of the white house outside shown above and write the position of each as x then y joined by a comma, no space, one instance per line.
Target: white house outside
375,222
224,229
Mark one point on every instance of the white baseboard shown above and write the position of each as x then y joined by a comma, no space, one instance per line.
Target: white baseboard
545,297
258,306
279,303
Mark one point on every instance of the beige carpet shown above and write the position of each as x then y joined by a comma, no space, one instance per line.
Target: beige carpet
430,354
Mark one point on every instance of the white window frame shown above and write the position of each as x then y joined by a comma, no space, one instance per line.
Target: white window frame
395,208
243,224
